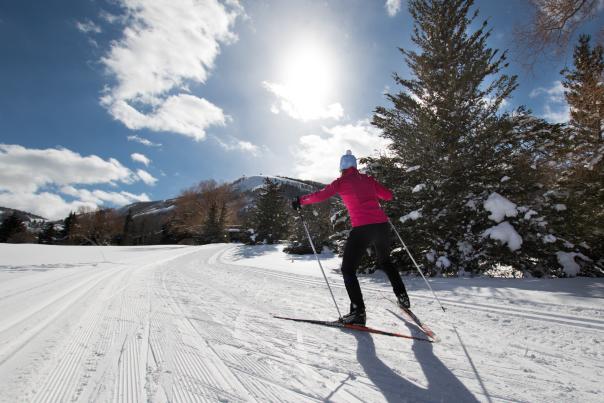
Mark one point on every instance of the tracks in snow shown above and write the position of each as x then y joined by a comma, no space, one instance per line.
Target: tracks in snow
576,321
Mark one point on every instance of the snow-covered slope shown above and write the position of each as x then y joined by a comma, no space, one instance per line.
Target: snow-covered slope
252,183
187,324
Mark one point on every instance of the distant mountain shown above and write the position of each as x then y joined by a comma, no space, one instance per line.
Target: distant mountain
140,209
253,183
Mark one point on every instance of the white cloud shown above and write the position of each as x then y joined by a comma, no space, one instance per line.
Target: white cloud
44,204
88,27
393,7
555,108
555,93
143,141
146,177
26,170
27,177
99,197
299,105
239,145
317,157
137,157
165,45
184,114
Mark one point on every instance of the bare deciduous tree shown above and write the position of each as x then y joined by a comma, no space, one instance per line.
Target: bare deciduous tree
552,26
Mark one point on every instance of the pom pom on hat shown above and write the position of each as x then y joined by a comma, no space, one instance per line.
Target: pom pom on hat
347,161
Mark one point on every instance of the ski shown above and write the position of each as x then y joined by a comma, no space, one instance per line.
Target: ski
411,317
423,327
353,327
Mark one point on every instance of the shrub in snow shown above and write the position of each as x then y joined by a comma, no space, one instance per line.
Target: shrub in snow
569,264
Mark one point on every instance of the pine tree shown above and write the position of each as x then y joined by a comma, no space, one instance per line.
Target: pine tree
319,227
12,229
579,193
452,148
269,219
70,224
48,235
212,228
127,229
585,94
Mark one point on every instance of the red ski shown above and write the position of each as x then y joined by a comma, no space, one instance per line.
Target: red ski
354,327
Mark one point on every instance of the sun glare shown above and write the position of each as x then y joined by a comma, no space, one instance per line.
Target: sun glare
306,85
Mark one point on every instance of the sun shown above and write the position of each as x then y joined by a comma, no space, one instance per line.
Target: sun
307,81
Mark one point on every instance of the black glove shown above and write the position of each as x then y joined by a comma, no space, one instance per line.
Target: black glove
296,203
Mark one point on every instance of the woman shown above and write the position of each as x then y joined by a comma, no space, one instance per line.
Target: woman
361,194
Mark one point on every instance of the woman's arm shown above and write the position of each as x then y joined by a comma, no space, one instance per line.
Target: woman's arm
321,195
382,191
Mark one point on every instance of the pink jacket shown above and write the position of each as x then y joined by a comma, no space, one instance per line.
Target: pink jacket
360,193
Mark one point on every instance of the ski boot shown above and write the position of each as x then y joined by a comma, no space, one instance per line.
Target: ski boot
356,316
403,300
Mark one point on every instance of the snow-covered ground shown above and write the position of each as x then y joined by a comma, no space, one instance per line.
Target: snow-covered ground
192,324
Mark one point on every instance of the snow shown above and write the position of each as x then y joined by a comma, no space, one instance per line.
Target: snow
505,179
443,262
500,207
471,204
194,323
161,210
549,238
506,234
418,188
414,215
559,207
413,168
568,262
253,183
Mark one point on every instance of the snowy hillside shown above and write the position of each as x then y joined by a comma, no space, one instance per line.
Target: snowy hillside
185,324
31,220
251,183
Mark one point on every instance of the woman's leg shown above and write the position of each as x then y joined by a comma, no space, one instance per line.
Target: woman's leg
353,251
382,250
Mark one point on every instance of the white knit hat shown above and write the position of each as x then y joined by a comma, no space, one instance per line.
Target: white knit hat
348,160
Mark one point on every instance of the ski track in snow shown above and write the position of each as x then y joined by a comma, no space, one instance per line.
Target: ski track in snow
188,324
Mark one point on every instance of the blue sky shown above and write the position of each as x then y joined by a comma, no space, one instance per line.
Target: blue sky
108,102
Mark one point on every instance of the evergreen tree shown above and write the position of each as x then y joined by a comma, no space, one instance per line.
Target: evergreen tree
452,148
12,229
578,193
128,228
213,227
269,219
48,235
319,227
585,94
70,223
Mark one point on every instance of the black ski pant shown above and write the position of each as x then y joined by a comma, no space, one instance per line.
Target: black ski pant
359,239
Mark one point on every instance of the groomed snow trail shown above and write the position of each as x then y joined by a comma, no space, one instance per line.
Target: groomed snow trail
189,324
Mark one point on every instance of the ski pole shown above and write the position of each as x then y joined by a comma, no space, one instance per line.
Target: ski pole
312,245
416,265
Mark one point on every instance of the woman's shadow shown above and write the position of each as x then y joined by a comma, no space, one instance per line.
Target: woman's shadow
443,386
